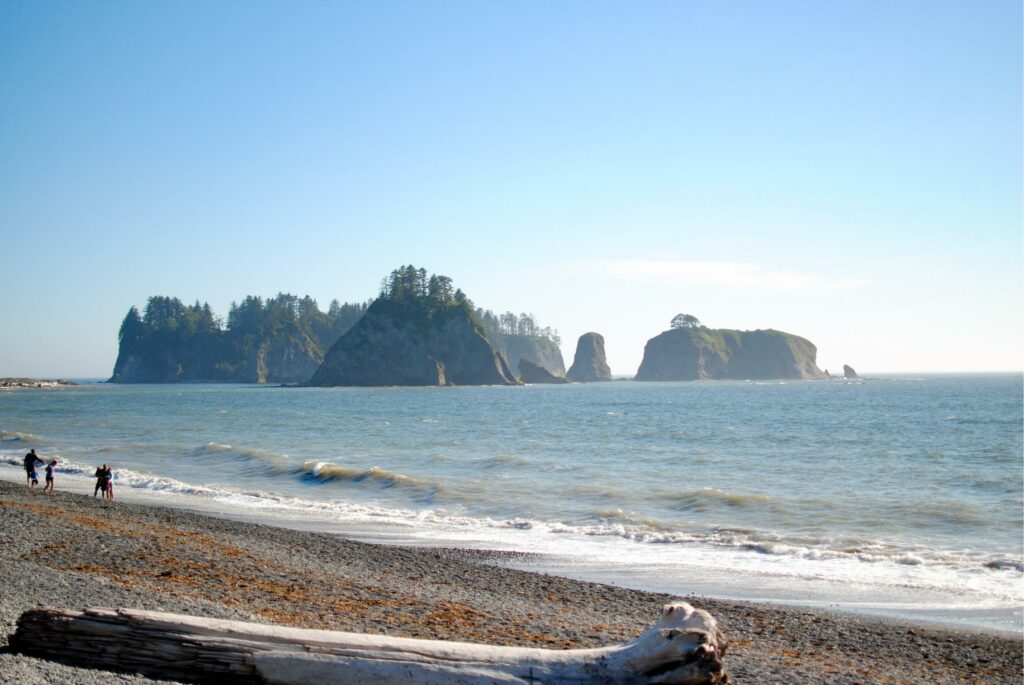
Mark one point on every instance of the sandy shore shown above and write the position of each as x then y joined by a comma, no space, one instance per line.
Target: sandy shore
73,551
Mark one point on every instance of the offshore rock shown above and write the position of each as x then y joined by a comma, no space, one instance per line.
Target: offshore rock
534,373
589,364
687,354
400,344
848,372
538,350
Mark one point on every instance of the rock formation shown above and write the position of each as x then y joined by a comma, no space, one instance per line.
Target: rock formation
534,373
848,372
398,343
278,340
686,354
589,364
538,350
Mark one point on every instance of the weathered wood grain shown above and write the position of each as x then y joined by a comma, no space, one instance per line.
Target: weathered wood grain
684,647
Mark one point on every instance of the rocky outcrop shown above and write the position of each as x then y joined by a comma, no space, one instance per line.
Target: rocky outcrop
282,359
289,355
848,372
687,354
589,364
278,340
400,344
534,373
538,350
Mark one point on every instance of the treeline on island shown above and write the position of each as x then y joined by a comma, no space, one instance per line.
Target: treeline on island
280,339
420,330
513,336
284,339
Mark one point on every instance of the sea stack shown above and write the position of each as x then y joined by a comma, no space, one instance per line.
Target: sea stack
535,373
699,353
417,332
589,365
848,372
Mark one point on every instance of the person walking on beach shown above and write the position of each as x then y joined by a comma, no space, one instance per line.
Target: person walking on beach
110,483
31,459
49,477
102,477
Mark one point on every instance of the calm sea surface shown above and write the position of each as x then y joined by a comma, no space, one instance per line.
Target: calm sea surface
895,496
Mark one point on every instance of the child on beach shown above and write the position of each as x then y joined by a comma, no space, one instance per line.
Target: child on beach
49,477
110,483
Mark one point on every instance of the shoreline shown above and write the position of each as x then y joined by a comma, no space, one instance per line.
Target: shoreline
691,579
73,551
37,383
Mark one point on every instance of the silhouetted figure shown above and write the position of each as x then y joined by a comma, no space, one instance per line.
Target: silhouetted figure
49,477
102,481
31,459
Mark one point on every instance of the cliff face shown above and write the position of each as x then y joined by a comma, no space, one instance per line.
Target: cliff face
688,354
279,340
589,364
538,350
533,373
395,344
281,359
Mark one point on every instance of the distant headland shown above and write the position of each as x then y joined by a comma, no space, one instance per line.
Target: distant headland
420,330
10,383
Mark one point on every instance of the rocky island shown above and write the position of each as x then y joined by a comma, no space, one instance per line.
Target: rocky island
690,351
533,373
419,331
589,364
278,340
518,337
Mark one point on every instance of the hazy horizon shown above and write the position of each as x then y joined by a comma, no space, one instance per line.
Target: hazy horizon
848,173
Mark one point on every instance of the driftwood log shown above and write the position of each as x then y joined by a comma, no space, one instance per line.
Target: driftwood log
683,647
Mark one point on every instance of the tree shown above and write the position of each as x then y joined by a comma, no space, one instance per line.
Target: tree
132,328
685,321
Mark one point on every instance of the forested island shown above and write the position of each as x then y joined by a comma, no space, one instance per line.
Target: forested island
419,330
285,339
278,340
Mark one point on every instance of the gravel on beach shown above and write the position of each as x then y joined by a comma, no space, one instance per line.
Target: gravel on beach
72,551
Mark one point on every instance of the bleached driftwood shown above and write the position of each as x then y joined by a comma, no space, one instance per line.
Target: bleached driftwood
683,647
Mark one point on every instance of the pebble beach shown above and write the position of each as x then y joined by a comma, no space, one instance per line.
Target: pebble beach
74,552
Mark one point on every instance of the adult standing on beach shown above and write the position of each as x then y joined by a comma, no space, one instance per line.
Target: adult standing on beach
31,459
102,478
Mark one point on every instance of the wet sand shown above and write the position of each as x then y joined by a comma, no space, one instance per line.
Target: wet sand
73,551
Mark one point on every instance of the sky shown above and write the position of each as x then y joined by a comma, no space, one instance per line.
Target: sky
848,171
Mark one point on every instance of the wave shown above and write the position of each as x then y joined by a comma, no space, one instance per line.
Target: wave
710,498
505,460
15,436
606,522
326,472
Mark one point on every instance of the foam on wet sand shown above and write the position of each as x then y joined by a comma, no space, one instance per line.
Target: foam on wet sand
73,552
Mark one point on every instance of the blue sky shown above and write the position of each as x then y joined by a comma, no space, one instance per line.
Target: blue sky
846,171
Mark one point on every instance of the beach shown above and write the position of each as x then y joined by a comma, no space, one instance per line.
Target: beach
73,551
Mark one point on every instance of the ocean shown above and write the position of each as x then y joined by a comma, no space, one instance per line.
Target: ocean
897,496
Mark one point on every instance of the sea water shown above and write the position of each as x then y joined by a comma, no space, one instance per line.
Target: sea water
895,496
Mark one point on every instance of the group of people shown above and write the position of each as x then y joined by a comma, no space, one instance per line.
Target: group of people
104,482
104,476
32,478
